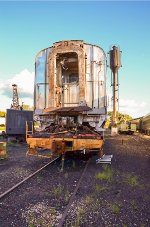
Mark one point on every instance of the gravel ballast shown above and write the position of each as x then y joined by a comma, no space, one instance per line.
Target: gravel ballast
109,195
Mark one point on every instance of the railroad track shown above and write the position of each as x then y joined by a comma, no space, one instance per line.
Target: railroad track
62,220
27,178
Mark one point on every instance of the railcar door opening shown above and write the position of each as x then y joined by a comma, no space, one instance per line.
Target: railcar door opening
67,80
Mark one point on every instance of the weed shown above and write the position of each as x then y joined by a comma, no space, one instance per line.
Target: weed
66,196
31,221
80,212
107,174
100,188
39,222
115,208
58,190
124,225
52,210
89,200
31,224
132,180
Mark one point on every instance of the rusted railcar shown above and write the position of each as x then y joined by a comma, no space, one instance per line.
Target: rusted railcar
69,98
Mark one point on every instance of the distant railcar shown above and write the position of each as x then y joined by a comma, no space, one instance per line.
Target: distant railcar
16,122
145,124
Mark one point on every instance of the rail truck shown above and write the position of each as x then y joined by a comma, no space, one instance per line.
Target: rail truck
69,98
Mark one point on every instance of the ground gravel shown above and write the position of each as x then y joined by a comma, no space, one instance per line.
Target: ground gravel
109,195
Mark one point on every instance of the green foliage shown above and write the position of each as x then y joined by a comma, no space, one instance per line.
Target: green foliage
57,191
66,196
115,208
2,114
100,188
31,224
107,174
132,180
124,225
27,107
89,200
80,213
53,210
2,128
120,116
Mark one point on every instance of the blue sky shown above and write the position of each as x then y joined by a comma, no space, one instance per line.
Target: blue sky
28,27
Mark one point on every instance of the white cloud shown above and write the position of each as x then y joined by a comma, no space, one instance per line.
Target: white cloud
132,107
25,83
5,102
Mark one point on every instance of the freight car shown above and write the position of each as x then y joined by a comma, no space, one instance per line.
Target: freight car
69,98
16,123
145,124
127,128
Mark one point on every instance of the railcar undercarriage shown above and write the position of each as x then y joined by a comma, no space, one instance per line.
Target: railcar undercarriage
63,133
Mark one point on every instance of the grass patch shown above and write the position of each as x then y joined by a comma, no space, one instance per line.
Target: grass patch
66,196
107,174
114,208
52,210
80,213
132,180
57,191
99,188
61,192
77,222
31,224
89,200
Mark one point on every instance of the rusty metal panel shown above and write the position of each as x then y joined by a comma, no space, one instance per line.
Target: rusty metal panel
59,145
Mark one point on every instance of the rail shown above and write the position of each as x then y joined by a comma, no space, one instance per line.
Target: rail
27,178
62,220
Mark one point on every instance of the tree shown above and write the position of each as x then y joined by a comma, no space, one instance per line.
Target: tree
2,114
120,117
27,107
